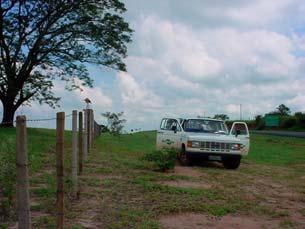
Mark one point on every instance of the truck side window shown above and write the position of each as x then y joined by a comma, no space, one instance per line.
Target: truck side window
163,124
241,128
167,124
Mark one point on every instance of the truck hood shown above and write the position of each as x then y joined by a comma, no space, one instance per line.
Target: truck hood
212,137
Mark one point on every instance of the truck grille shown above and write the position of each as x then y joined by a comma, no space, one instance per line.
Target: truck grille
215,146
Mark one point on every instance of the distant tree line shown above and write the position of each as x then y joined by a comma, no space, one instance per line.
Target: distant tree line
288,120
294,121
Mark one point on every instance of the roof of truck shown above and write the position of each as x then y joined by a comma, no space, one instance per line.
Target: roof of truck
212,119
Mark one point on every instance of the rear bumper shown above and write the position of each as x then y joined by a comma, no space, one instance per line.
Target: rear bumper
211,156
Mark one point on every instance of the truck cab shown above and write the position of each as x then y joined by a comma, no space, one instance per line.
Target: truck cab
205,139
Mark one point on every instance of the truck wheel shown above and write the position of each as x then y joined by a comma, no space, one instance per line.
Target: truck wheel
232,162
183,158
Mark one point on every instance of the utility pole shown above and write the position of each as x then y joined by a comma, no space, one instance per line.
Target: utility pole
240,111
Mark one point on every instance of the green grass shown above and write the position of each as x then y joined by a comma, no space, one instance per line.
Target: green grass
40,142
41,158
134,191
276,150
264,149
121,190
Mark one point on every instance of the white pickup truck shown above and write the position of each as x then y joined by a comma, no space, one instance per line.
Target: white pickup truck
205,138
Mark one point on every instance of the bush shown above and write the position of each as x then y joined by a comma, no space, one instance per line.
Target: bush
260,125
288,122
300,119
164,158
7,178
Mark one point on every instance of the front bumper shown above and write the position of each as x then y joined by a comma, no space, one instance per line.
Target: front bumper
212,156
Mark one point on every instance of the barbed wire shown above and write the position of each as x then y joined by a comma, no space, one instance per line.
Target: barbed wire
35,120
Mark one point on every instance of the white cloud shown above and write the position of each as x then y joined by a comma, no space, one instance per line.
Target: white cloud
206,57
212,70
137,96
298,101
266,52
177,46
96,95
259,12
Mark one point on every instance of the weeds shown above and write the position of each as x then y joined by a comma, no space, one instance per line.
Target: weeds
164,158
7,178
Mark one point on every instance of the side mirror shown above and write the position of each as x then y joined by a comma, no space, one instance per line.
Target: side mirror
237,133
174,128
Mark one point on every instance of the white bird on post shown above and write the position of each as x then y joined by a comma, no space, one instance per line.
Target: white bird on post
88,102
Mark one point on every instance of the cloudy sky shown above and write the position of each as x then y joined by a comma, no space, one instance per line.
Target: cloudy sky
201,57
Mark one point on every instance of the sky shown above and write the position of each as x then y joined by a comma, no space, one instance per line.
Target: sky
196,57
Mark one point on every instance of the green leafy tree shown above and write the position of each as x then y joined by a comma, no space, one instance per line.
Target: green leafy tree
283,110
115,123
42,41
223,117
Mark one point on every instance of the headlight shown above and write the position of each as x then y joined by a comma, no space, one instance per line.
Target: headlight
235,147
193,144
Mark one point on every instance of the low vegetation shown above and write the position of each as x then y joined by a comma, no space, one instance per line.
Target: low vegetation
164,158
121,190
41,145
127,192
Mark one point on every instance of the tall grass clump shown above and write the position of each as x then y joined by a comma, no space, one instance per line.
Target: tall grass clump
164,158
7,178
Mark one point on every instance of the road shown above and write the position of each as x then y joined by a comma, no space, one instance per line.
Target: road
280,133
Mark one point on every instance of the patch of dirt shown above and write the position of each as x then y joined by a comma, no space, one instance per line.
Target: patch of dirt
102,176
187,184
187,171
196,221
87,208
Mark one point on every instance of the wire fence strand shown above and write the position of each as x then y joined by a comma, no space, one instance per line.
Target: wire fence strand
36,120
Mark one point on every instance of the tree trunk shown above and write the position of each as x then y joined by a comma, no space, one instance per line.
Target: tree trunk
8,114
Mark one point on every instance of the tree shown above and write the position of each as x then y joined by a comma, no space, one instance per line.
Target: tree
42,41
114,122
283,110
223,117
258,119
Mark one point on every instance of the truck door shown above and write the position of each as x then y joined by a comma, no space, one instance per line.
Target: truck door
168,134
240,131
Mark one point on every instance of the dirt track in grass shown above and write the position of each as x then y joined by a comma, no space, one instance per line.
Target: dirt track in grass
120,190
254,196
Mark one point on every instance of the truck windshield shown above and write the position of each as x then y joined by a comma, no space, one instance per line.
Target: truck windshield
204,126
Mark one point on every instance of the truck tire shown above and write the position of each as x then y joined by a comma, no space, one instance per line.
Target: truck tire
183,158
232,162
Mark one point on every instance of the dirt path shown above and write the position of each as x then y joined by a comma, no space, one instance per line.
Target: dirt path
256,196
263,191
198,221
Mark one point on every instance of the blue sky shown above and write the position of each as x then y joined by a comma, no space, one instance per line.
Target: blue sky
196,57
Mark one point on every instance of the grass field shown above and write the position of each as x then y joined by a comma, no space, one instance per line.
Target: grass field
120,190
41,145
127,192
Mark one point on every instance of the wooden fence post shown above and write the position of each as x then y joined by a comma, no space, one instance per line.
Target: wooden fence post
74,153
23,197
85,138
92,128
80,143
60,129
89,128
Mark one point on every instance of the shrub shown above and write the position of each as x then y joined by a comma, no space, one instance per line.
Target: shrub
164,158
7,177
300,119
288,122
260,125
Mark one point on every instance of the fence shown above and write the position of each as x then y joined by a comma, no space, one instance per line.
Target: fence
84,131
